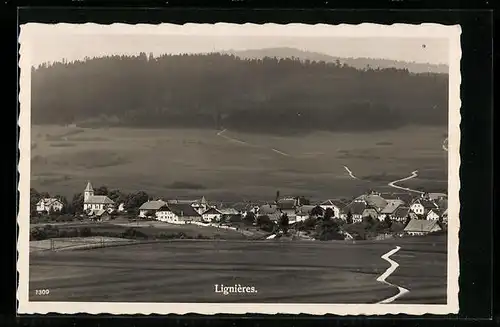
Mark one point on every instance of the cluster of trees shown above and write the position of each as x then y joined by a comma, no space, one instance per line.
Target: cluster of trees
219,90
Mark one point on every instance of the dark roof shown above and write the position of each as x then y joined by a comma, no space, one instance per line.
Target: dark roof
99,199
286,204
427,204
391,206
376,201
152,205
356,208
267,209
401,212
421,225
183,209
306,209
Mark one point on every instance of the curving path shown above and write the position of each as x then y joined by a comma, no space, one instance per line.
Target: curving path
382,278
221,134
350,172
413,175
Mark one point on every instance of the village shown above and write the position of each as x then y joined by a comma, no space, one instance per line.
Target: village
407,214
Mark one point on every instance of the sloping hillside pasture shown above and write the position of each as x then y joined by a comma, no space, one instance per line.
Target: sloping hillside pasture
231,166
283,272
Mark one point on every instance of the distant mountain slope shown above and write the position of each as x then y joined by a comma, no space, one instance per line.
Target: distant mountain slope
359,63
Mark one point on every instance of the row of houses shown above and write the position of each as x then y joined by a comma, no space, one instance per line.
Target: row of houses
431,207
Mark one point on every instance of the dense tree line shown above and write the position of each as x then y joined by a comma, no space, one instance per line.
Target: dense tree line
224,91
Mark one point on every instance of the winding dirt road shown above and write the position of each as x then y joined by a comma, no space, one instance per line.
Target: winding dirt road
350,172
221,134
382,278
413,175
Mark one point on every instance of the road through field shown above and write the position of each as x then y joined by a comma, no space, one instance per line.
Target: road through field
382,278
221,134
413,175
350,172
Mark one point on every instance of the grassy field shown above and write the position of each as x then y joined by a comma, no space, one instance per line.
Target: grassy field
282,272
231,166
154,228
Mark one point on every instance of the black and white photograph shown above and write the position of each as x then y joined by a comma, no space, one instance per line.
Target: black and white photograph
239,168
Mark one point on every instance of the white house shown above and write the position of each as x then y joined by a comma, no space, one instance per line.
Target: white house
49,205
93,202
422,206
434,214
211,215
177,213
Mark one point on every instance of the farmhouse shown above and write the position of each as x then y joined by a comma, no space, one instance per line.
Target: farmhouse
390,208
400,214
422,206
200,205
177,212
49,205
149,208
100,215
356,208
95,202
336,205
270,210
211,215
421,227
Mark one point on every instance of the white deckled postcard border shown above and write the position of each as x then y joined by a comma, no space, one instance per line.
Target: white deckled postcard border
452,33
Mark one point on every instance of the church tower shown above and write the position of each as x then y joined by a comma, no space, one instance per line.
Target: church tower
88,193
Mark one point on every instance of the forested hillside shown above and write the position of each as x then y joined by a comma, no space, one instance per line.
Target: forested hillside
223,91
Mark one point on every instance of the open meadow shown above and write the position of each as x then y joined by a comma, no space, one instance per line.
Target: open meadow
225,165
284,272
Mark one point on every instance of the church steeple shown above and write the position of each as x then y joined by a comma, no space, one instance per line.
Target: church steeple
89,191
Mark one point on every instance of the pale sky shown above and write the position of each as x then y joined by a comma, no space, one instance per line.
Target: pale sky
51,45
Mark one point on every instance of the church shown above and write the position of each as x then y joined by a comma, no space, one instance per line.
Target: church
95,202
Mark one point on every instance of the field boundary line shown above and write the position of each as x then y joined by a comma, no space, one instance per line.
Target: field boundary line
382,278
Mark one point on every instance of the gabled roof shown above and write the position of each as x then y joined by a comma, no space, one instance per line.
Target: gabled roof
183,210
376,201
356,208
401,212
48,201
286,203
306,209
152,205
229,211
391,206
427,204
99,199
334,202
437,211
213,211
421,225
267,209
